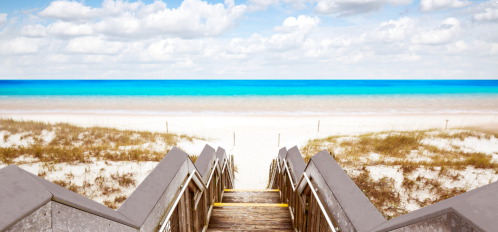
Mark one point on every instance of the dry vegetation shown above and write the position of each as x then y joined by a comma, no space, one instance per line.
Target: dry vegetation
429,163
73,144
102,186
57,148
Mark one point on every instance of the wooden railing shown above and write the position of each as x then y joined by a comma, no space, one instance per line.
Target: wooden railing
191,208
306,207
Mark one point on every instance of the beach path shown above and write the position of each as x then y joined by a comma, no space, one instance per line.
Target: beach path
250,210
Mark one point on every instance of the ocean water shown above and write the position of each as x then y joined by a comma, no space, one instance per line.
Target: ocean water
250,97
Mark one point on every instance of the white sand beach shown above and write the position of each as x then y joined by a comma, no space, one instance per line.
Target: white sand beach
257,137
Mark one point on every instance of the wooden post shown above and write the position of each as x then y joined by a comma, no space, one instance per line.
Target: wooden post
206,207
223,182
269,176
182,213
167,131
318,125
233,138
278,140
233,171
188,209
446,127
195,214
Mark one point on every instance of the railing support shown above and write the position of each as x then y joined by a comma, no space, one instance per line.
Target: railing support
300,213
194,210
171,210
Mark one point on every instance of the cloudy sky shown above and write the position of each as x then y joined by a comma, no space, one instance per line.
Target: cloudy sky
227,39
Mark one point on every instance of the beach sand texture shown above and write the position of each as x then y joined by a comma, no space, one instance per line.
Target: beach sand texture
257,137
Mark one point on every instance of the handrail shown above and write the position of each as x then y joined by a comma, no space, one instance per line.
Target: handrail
177,200
212,172
229,173
319,202
223,168
200,180
274,173
224,165
192,174
290,177
270,184
193,198
304,176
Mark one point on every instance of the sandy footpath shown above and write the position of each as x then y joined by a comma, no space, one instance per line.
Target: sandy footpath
256,137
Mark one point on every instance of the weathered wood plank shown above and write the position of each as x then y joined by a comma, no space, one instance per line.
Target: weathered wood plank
250,211
183,214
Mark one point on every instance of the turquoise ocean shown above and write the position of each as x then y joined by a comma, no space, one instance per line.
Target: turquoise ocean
250,97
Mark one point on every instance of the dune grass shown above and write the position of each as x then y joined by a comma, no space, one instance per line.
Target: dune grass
60,145
379,192
399,145
407,152
73,144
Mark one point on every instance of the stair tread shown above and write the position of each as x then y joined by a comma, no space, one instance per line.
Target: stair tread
238,215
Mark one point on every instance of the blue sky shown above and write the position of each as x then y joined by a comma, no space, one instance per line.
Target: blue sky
271,39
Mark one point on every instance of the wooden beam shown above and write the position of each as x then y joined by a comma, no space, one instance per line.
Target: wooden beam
182,214
195,215
197,198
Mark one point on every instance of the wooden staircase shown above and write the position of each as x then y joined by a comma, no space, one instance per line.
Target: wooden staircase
250,210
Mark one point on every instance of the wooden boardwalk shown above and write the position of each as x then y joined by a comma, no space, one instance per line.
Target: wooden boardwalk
250,210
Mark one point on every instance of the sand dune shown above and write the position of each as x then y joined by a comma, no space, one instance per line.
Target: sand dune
257,137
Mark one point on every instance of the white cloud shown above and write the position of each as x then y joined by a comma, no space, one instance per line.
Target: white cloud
230,4
21,46
354,7
172,48
3,19
187,64
412,31
73,11
61,28
154,41
392,41
285,42
336,7
395,30
487,11
448,30
58,58
36,30
435,5
457,47
99,59
302,24
292,33
67,10
94,45
484,48
289,36
193,18
152,8
407,57
256,5
254,44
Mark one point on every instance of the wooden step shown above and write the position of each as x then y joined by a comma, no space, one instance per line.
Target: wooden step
244,218
251,204
251,197
252,190
250,210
